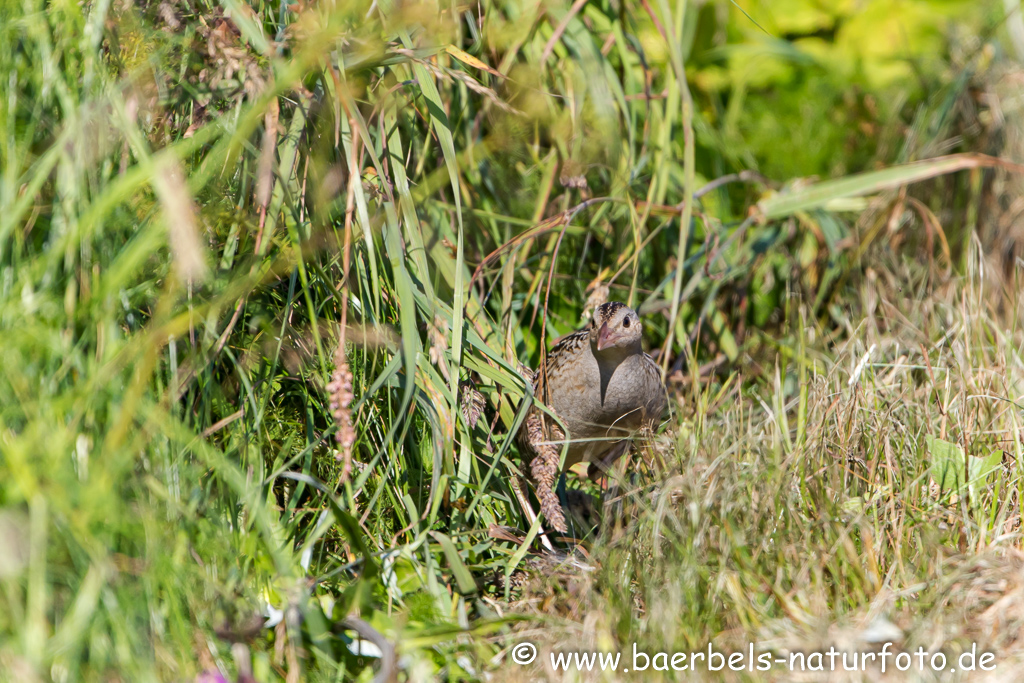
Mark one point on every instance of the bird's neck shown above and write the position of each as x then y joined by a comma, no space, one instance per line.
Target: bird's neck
610,358
617,351
608,362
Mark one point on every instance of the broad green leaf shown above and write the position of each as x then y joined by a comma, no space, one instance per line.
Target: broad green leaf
947,463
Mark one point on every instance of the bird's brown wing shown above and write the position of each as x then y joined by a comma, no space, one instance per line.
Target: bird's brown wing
562,354
653,373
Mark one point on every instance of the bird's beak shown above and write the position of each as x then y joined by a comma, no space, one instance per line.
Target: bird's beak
604,338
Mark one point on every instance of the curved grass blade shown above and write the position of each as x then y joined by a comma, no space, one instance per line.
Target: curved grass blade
818,194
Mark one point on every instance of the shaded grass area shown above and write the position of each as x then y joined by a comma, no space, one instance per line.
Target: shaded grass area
254,262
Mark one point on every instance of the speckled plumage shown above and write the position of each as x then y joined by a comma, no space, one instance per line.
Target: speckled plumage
603,387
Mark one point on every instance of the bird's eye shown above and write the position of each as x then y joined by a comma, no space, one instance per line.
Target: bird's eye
625,322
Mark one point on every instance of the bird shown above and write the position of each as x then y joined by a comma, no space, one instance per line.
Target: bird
603,388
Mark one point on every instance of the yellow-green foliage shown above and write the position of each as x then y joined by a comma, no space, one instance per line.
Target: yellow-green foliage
821,78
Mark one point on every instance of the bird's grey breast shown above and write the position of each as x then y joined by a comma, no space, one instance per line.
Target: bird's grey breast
619,400
625,390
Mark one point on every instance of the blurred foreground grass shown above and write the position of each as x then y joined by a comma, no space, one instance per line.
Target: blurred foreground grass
200,205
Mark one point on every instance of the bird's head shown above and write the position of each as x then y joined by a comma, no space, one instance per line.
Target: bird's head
615,329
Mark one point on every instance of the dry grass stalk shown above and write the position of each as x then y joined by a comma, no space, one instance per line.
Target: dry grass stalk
186,245
340,391
265,167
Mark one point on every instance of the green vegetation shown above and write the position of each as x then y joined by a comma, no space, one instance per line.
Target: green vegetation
255,260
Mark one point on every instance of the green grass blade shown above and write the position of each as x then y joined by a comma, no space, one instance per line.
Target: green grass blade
817,195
